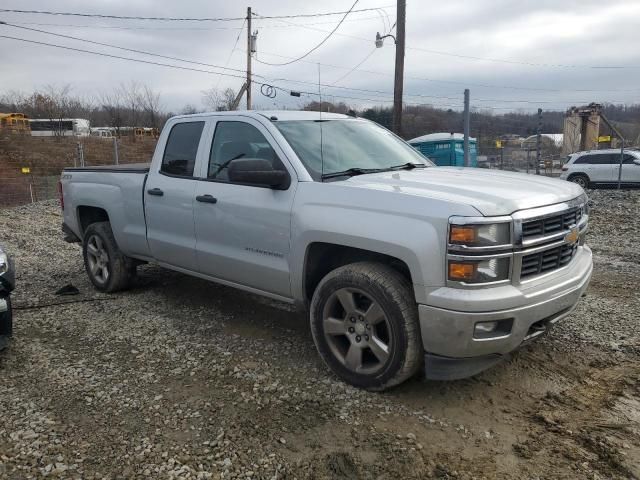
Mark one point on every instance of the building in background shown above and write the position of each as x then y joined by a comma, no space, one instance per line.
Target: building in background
584,129
446,149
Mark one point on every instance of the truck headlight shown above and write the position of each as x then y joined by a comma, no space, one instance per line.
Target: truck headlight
478,271
480,235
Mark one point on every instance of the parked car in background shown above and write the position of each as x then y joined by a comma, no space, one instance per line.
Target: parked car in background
601,167
7,284
399,264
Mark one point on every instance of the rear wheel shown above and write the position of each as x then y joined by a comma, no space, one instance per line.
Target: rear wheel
581,179
108,269
364,322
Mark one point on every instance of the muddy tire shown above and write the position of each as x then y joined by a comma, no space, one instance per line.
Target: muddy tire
364,322
580,179
107,267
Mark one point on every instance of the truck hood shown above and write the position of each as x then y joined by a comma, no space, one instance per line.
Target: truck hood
491,192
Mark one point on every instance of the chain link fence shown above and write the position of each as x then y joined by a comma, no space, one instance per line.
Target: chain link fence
30,167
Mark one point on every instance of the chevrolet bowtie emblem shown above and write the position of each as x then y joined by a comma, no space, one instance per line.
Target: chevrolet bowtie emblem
572,236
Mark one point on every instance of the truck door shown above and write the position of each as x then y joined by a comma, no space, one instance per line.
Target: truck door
243,231
169,195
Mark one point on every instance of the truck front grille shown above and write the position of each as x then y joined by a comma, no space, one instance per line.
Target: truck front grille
547,260
551,224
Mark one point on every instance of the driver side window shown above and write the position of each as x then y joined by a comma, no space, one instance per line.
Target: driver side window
234,140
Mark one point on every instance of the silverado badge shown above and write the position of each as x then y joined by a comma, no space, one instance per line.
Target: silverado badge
572,236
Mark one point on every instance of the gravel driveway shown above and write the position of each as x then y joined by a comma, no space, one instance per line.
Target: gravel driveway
180,378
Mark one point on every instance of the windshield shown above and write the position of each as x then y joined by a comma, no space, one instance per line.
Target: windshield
346,144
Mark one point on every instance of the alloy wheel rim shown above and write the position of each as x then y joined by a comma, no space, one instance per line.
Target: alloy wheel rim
357,330
98,259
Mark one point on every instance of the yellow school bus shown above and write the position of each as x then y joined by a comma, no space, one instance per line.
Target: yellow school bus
16,123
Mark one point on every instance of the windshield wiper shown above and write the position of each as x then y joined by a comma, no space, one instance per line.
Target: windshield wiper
407,166
351,172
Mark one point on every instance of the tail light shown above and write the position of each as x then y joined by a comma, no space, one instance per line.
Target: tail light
60,195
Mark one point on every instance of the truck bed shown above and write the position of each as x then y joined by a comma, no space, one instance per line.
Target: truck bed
126,168
110,191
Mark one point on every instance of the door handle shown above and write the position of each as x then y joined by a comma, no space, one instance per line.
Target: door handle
206,199
155,191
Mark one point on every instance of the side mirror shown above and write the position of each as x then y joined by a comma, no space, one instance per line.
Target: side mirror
258,172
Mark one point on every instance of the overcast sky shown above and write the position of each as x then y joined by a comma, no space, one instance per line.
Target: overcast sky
527,54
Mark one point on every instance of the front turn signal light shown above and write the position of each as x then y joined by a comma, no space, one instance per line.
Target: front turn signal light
462,234
461,272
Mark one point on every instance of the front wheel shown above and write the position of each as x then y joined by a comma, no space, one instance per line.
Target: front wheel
364,322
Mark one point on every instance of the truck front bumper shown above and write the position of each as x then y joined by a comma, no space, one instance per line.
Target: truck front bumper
454,346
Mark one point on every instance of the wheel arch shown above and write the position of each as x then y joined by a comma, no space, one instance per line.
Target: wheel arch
579,174
89,214
322,257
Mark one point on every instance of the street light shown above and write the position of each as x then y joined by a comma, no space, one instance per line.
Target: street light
380,39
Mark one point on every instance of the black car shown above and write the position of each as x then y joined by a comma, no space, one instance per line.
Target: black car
7,284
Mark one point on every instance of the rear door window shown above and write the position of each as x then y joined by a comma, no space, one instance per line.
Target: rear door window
179,157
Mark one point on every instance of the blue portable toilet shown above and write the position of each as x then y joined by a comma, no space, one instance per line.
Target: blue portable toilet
446,149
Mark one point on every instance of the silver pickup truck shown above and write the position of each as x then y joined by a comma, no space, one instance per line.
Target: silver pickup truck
400,264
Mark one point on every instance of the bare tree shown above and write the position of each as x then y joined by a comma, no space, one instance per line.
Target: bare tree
219,100
152,106
132,96
189,109
113,106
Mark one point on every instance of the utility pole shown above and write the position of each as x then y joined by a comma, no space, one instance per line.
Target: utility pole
619,135
467,158
249,58
538,141
399,74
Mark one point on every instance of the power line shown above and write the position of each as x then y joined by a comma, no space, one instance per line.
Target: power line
149,62
185,19
486,59
124,48
189,28
519,62
332,86
323,64
185,60
232,50
279,88
192,69
455,82
356,66
319,44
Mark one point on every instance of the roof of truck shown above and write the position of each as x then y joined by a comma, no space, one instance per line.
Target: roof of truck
278,114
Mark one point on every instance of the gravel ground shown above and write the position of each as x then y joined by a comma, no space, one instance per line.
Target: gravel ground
180,378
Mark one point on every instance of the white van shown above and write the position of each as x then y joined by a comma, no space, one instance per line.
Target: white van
595,167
